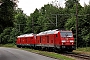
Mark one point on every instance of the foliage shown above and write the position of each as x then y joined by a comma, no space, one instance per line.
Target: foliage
20,20
8,35
83,50
70,24
45,19
6,14
70,3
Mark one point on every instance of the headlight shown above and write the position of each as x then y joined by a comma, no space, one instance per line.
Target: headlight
63,40
71,40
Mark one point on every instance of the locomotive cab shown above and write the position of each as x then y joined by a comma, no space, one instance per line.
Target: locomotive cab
67,40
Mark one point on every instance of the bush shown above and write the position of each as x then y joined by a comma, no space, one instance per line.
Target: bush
8,35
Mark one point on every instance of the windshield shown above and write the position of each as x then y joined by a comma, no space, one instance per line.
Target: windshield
66,34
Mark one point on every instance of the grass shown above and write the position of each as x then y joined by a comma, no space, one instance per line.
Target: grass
8,45
85,50
45,53
50,54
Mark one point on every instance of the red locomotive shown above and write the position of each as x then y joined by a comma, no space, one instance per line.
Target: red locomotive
26,40
57,40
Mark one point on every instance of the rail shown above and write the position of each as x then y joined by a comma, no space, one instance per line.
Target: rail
77,55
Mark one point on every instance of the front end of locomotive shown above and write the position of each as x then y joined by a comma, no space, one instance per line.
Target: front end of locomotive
67,41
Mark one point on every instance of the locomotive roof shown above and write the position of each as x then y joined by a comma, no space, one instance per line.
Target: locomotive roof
55,31
48,32
25,35
52,32
65,31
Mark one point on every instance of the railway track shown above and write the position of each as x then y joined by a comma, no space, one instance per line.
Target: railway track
77,55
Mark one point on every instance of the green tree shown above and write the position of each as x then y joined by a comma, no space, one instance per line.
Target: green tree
5,35
20,20
70,3
9,35
6,14
48,12
28,28
42,23
85,29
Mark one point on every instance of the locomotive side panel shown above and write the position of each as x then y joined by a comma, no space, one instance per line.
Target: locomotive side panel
57,39
51,40
43,40
28,40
